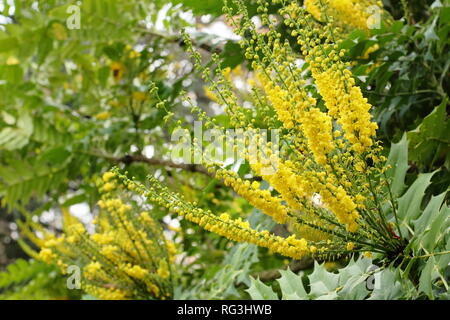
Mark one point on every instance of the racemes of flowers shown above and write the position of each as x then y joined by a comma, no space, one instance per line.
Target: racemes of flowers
326,176
127,257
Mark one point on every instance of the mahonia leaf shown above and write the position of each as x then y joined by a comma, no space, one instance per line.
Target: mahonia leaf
260,291
428,215
353,279
388,286
235,269
322,282
292,286
409,204
398,160
349,283
429,239
428,274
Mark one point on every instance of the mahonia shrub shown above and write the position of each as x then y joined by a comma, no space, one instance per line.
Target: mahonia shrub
326,175
127,257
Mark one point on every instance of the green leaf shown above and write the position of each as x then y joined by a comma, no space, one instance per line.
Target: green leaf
322,282
21,180
430,137
429,213
435,230
8,44
398,162
409,205
232,55
426,278
15,138
292,286
353,279
260,291
213,7
388,286
430,34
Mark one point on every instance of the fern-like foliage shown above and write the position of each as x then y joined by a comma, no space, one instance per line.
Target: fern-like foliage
31,280
21,180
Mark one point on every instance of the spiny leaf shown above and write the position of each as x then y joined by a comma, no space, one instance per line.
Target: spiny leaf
292,286
388,286
409,205
398,160
429,214
430,137
260,291
322,282
353,279
427,276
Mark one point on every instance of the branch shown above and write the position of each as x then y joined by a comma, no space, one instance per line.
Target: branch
129,159
295,266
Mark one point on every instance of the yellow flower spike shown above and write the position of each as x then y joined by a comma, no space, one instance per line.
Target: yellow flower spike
313,8
108,176
136,272
103,238
115,256
47,255
92,269
163,270
107,187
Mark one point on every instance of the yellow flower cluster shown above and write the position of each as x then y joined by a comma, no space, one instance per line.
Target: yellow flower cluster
126,258
346,104
335,83
241,231
313,7
92,269
106,293
345,13
134,271
325,177
320,183
261,199
224,225
297,110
